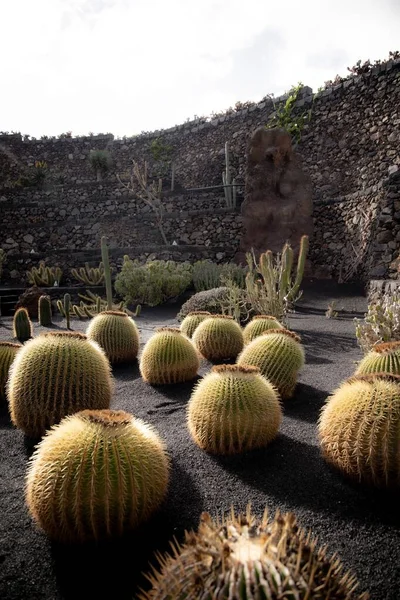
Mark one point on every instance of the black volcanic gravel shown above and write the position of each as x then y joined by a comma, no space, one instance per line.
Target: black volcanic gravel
360,525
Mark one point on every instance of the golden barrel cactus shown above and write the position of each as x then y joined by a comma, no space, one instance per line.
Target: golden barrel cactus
95,475
192,320
8,352
244,558
382,358
168,357
117,334
54,375
258,325
359,429
218,337
279,355
233,409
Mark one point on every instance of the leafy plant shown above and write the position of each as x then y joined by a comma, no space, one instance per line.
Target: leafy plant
208,275
381,322
286,118
152,283
101,162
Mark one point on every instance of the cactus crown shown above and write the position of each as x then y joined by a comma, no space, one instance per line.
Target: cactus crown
65,334
228,317
386,347
116,313
291,334
10,345
198,312
245,369
169,330
264,317
107,418
371,377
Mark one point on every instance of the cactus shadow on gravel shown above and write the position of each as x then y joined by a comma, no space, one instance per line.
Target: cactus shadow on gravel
312,484
306,404
114,569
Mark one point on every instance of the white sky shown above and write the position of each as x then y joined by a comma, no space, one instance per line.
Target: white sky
123,66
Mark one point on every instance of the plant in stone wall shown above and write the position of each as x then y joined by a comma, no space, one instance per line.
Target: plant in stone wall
152,283
287,118
101,162
2,260
150,193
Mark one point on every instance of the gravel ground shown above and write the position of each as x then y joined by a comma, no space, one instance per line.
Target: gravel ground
360,525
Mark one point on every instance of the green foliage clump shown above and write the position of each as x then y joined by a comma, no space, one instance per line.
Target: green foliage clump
381,322
100,161
286,118
208,275
153,283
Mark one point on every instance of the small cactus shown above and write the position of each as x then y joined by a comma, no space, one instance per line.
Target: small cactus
218,337
192,320
233,409
98,474
359,429
258,325
383,357
22,325
45,311
168,357
8,352
241,557
279,355
117,334
65,308
56,374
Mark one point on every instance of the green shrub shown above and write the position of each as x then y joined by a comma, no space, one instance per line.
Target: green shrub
208,300
208,275
152,283
100,161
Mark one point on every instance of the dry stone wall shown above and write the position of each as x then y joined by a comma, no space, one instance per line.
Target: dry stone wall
349,149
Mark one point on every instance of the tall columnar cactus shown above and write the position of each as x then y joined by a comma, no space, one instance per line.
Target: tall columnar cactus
8,352
359,429
269,283
117,334
229,186
168,357
242,557
65,308
56,374
192,320
279,355
233,409
258,325
97,474
22,325
384,357
218,337
107,271
45,311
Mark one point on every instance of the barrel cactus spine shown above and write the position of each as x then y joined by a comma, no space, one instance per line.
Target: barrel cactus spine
359,429
117,334
218,337
56,374
8,352
242,557
258,325
45,311
70,492
233,409
383,357
192,320
22,325
168,357
279,355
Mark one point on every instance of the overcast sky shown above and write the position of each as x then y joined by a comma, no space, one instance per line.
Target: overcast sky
123,66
